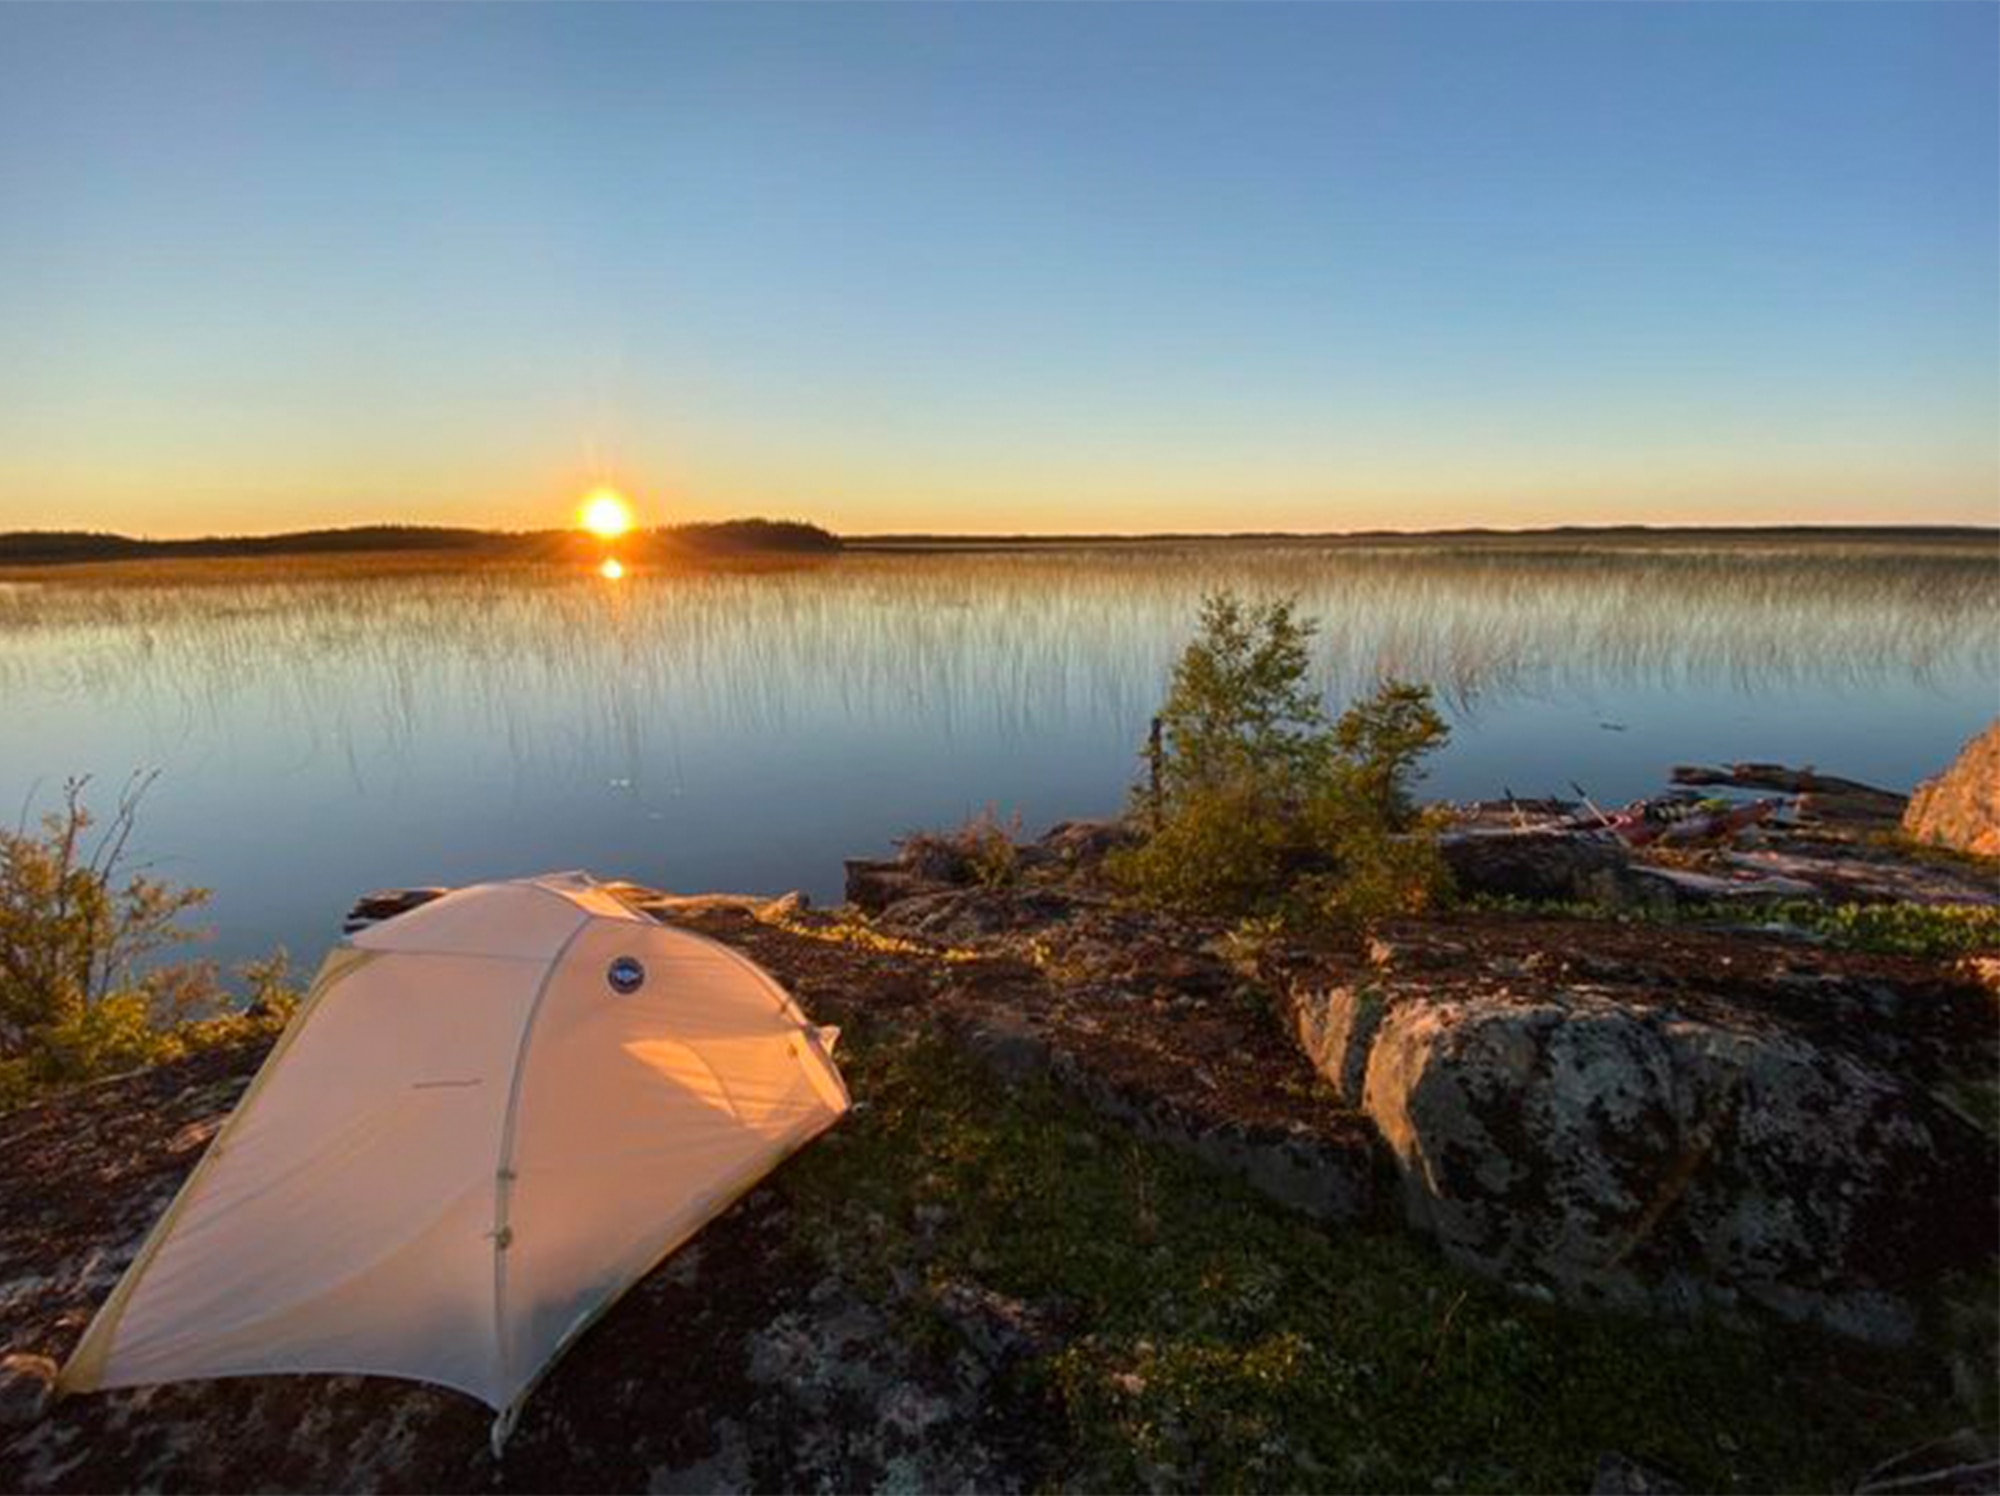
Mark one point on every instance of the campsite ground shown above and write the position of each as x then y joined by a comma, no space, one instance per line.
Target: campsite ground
982,1280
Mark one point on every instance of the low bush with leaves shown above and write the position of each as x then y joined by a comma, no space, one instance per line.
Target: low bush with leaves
81,994
1258,804
985,850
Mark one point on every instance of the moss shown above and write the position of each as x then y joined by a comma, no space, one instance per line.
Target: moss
1215,1341
1940,930
849,930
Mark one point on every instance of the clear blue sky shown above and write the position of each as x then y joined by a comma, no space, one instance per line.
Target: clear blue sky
1003,267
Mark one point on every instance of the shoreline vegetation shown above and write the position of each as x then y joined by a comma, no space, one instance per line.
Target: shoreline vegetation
753,537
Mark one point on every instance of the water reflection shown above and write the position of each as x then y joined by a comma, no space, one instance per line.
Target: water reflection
747,727
1000,643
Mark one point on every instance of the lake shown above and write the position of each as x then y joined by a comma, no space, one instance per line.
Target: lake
326,727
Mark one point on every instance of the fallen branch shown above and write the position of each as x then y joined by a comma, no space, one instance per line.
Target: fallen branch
1806,781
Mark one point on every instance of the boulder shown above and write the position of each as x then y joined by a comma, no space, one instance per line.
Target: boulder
1536,862
1079,844
938,858
26,1384
1620,1475
873,885
962,916
1961,807
1010,1046
1599,1150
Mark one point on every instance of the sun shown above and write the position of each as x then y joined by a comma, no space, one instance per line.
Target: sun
606,514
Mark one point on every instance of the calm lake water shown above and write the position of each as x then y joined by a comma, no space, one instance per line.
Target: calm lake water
321,730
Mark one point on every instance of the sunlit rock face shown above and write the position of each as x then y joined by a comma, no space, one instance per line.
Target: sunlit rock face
1961,807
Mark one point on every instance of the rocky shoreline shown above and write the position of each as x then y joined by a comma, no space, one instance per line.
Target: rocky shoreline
1679,1119
1661,1197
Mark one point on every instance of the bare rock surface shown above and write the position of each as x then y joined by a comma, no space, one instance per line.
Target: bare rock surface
1127,1011
1847,874
1773,1127
1961,807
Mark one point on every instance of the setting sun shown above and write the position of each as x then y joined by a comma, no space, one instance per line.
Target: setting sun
605,514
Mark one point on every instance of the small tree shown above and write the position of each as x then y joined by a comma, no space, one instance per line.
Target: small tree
1260,804
1238,707
1381,739
71,934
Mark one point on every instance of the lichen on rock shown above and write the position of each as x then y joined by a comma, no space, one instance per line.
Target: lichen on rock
1603,1143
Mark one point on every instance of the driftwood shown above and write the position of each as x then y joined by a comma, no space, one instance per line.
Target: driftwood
1822,797
1806,781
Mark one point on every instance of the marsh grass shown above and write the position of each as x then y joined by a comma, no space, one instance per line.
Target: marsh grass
1007,641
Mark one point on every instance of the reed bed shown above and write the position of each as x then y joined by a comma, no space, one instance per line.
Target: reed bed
1013,642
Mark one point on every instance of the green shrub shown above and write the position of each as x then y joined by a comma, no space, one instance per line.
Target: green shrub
1224,849
70,935
75,1001
1899,929
124,1031
1257,804
990,850
981,851
1380,873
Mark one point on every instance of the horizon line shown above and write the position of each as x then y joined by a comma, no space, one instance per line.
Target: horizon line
884,537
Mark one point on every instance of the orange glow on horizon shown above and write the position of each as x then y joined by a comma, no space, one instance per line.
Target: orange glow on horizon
607,514
611,569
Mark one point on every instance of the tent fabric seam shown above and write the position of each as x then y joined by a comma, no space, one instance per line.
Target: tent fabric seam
503,1167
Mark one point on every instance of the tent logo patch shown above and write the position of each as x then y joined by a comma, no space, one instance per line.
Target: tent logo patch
625,975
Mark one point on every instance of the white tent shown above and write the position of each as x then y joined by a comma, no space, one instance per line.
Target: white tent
489,1118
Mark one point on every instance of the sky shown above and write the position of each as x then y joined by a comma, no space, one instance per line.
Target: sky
1014,268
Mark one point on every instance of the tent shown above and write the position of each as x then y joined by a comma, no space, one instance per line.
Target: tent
488,1119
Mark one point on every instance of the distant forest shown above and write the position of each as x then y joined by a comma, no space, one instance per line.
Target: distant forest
777,537
733,537
1475,536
